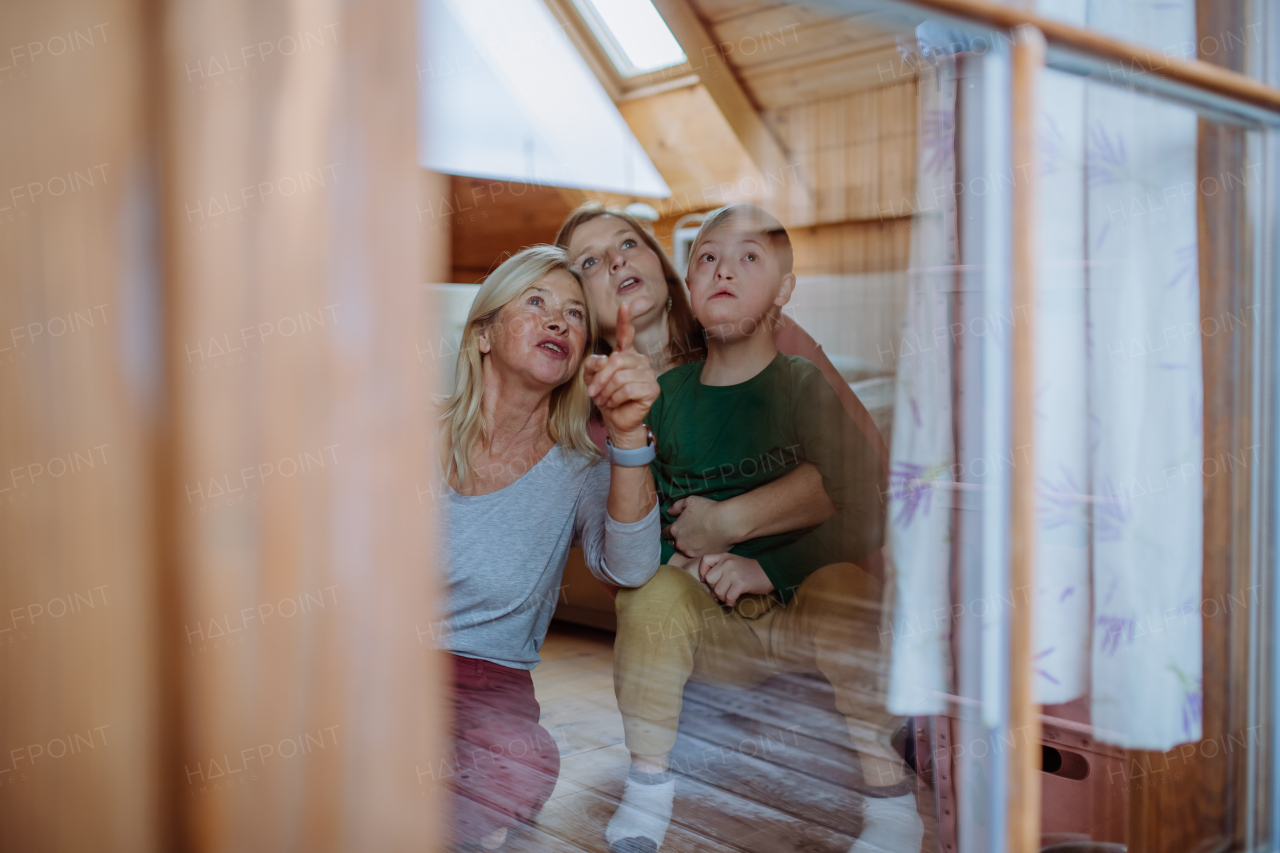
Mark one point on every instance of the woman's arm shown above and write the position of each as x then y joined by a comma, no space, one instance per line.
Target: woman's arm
631,492
624,387
623,554
794,501
598,431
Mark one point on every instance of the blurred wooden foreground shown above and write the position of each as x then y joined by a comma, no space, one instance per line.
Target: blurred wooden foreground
214,557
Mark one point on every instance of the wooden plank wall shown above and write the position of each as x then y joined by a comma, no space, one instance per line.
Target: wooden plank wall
239,271
692,145
798,53
488,220
846,248
858,151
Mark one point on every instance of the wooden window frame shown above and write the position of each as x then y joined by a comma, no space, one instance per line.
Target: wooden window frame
620,88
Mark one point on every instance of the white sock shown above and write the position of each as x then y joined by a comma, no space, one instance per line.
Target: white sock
889,825
640,823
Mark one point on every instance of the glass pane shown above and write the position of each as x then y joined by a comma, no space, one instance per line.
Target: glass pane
1152,403
1149,454
860,701
1233,34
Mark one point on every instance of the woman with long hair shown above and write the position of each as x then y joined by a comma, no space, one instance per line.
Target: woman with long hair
622,263
519,483
831,625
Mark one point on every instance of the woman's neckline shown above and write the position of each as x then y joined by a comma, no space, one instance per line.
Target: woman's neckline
554,447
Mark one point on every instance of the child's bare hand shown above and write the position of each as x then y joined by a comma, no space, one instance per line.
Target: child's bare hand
700,527
685,563
731,577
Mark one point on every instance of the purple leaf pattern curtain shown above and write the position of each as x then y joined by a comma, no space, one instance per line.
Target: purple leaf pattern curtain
922,453
1119,395
1062,602
1146,397
1118,402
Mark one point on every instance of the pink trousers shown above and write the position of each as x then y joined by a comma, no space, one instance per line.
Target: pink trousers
505,764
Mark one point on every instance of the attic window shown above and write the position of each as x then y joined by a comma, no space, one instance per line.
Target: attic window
634,35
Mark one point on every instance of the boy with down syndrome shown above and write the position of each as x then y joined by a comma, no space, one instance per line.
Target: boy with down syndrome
791,602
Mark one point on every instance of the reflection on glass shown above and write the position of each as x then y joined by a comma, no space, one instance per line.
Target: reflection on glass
1144,589
822,653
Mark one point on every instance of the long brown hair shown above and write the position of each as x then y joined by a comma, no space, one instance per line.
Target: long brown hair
686,340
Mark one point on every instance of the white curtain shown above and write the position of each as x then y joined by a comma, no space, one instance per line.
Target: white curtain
1062,597
1119,307
1118,403
922,455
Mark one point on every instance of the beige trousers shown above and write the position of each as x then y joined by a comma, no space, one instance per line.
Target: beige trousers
673,629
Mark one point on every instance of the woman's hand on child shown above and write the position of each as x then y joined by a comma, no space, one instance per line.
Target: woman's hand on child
623,386
731,577
702,526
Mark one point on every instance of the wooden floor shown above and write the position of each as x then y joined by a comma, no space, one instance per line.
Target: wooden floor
762,771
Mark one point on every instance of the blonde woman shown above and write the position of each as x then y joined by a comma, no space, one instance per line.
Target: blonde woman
521,482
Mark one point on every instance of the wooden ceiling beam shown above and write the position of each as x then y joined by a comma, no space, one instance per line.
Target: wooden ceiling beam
788,193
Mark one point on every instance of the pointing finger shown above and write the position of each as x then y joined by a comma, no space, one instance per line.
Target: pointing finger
626,331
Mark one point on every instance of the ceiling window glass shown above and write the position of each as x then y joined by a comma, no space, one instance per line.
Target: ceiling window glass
633,34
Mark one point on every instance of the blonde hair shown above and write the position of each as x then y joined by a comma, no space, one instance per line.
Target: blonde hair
462,422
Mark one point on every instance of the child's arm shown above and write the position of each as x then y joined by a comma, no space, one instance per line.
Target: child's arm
794,501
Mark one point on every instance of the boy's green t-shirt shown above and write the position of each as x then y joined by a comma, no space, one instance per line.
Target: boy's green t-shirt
719,442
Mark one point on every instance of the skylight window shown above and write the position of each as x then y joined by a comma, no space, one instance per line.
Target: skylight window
634,35
505,95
